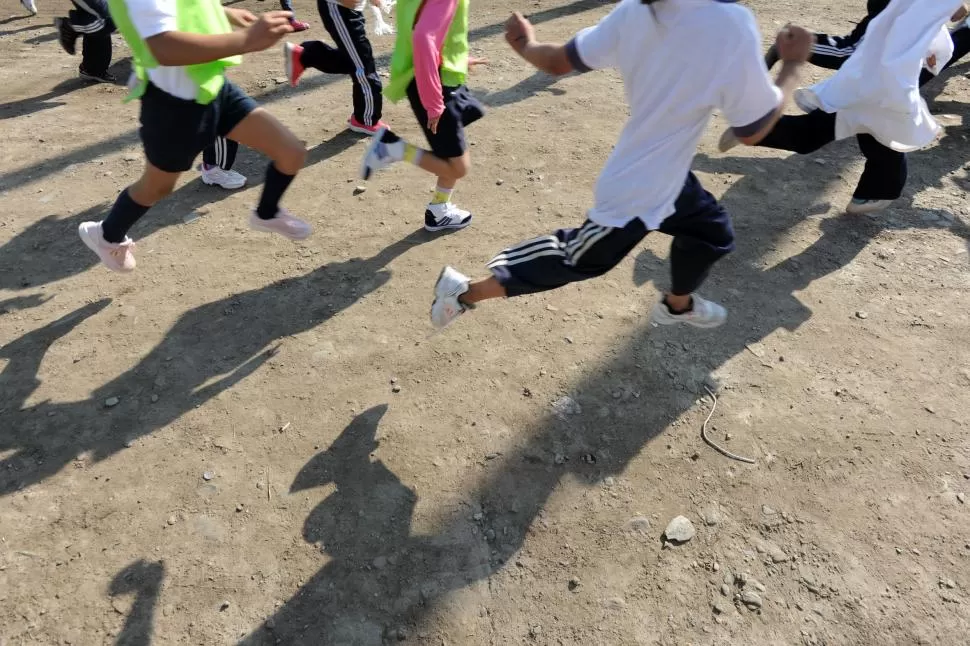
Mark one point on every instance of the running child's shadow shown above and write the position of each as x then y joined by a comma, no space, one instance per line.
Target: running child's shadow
144,580
207,351
526,89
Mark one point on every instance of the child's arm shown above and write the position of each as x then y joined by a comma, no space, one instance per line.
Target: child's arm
430,30
177,48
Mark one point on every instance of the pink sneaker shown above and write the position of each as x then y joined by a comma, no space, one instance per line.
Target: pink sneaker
299,25
358,127
115,256
291,62
283,223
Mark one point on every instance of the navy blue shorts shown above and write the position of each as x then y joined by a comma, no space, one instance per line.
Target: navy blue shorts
461,109
174,131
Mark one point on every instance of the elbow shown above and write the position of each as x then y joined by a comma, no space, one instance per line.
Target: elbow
558,68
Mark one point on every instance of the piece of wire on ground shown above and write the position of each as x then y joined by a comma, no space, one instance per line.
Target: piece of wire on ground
711,443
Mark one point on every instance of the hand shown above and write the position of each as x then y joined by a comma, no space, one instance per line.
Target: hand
960,14
474,61
795,44
268,29
519,32
433,124
240,17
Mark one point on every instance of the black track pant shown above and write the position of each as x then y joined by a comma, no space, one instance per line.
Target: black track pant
352,56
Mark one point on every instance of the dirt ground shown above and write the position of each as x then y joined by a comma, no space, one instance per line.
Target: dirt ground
292,459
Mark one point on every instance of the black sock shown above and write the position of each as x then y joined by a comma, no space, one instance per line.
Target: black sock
273,189
675,312
122,217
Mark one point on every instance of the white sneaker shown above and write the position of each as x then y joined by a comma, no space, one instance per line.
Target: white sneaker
727,141
861,207
228,179
438,217
703,314
446,306
380,153
115,256
30,6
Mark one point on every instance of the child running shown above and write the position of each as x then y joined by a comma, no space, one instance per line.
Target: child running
830,52
647,184
353,56
874,96
429,67
180,51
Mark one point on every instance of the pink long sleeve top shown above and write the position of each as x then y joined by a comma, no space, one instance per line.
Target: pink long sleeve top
430,29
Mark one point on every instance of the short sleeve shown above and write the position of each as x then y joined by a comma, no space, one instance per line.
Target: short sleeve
749,97
152,17
598,47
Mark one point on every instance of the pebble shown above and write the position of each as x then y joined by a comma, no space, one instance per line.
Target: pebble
223,606
751,599
755,583
777,555
574,584
718,607
535,631
680,530
767,511
111,401
239,507
899,551
716,566
728,578
569,339
725,589
566,406
499,182
154,398
395,388
948,583
380,562
359,189
207,476
711,514
962,497
172,520
131,158
639,524
129,444
861,315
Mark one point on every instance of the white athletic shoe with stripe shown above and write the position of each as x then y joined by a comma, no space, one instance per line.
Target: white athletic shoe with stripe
228,179
446,307
703,314
439,217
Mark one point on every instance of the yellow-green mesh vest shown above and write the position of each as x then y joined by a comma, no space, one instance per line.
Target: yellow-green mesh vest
454,51
192,16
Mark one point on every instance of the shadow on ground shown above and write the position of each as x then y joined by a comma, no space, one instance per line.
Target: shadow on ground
208,350
382,581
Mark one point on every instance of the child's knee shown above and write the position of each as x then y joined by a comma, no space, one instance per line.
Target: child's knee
460,166
291,157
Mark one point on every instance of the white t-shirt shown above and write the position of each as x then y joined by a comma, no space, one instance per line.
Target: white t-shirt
876,92
151,18
680,60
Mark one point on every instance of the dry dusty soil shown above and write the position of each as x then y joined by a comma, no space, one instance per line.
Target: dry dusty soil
253,441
